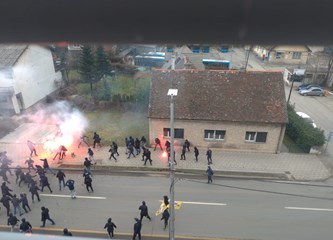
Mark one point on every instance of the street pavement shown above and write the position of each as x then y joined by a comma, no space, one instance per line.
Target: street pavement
283,165
305,167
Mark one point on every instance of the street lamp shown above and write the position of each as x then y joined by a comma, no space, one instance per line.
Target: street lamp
172,93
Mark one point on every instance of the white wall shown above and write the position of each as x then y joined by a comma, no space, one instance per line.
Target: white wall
34,75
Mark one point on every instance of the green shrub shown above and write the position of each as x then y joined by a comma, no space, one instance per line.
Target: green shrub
302,132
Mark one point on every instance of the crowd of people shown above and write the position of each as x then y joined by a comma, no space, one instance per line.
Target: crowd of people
34,176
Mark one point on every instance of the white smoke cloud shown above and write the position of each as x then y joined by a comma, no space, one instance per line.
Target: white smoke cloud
70,122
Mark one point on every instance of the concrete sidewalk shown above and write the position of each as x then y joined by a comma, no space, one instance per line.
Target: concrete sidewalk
281,166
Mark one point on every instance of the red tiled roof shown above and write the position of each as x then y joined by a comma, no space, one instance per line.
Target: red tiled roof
219,96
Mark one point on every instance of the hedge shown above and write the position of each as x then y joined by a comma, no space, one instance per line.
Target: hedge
302,132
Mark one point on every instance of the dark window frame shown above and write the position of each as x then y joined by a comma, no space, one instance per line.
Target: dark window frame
257,137
178,132
214,133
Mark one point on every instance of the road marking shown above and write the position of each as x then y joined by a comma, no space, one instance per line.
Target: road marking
202,203
67,196
310,209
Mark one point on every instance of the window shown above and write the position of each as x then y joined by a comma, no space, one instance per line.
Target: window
214,134
279,55
297,55
256,137
179,132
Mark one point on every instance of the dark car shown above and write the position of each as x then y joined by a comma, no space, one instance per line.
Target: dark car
308,86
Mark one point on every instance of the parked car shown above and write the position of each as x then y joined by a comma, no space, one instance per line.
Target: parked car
307,86
307,118
313,91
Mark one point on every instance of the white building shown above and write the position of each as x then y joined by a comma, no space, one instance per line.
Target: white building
27,75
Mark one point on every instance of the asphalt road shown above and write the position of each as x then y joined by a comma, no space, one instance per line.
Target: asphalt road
229,208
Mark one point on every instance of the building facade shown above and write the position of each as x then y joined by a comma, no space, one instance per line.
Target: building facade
232,110
27,75
283,54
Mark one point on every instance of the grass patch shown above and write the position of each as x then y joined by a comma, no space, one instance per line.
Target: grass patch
115,125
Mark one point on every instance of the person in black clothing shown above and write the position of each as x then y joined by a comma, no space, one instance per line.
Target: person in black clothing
165,217
137,229
166,200
158,143
167,145
22,178
67,233
88,182
28,179
196,153
148,157
209,156
87,164
143,141
144,211
40,171
12,221
17,171
112,151
46,166
16,204
187,144
91,156
210,174
25,226
137,146
131,150
115,147
6,190
110,226
46,216
70,184
34,191
30,163
45,183
6,203
61,178
131,140
97,140
144,152
24,201
182,156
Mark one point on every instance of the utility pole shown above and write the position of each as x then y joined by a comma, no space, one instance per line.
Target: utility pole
291,88
172,93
